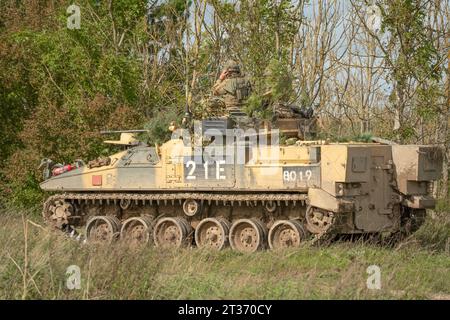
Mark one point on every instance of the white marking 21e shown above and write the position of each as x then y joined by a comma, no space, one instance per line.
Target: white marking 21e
191,165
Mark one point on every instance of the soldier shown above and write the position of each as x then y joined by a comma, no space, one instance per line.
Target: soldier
232,87
278,90
277,95
279,109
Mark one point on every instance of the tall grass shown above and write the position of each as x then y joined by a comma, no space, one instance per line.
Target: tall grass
34,261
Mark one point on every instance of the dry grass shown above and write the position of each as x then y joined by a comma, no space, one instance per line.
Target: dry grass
33,265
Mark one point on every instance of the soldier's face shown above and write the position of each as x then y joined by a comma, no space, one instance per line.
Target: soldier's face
224,74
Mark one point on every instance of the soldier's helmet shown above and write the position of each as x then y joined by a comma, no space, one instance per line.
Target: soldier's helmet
232,66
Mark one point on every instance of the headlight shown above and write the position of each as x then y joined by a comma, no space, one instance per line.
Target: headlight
340,189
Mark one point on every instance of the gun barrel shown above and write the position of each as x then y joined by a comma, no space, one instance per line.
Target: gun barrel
123,131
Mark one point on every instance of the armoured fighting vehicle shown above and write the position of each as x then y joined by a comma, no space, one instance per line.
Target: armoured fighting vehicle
253,195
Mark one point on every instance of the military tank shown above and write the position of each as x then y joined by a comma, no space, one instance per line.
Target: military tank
246,192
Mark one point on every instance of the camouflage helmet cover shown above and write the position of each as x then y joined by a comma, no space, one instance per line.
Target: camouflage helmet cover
232,66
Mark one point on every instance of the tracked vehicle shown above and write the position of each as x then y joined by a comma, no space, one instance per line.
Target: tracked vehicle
255,195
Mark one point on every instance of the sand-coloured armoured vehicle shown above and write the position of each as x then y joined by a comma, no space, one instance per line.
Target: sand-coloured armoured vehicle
251,196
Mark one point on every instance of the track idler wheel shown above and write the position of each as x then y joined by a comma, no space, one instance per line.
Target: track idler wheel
137,231
172,233
286,234
248,235
102,229
212,233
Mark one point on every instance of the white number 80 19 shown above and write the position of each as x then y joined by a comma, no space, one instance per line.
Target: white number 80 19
292,175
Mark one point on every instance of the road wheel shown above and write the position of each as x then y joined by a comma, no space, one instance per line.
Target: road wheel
248,235
102,229
286,234
172,233
212,233
137,231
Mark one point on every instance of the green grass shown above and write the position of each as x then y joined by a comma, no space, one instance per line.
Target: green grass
417,268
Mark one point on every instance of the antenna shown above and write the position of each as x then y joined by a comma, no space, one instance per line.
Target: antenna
186,63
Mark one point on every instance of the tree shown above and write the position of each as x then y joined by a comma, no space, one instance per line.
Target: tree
75,83
414,63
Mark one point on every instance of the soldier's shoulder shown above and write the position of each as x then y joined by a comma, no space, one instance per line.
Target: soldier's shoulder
242,79
246,79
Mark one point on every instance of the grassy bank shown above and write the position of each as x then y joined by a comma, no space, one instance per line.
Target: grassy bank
36,268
